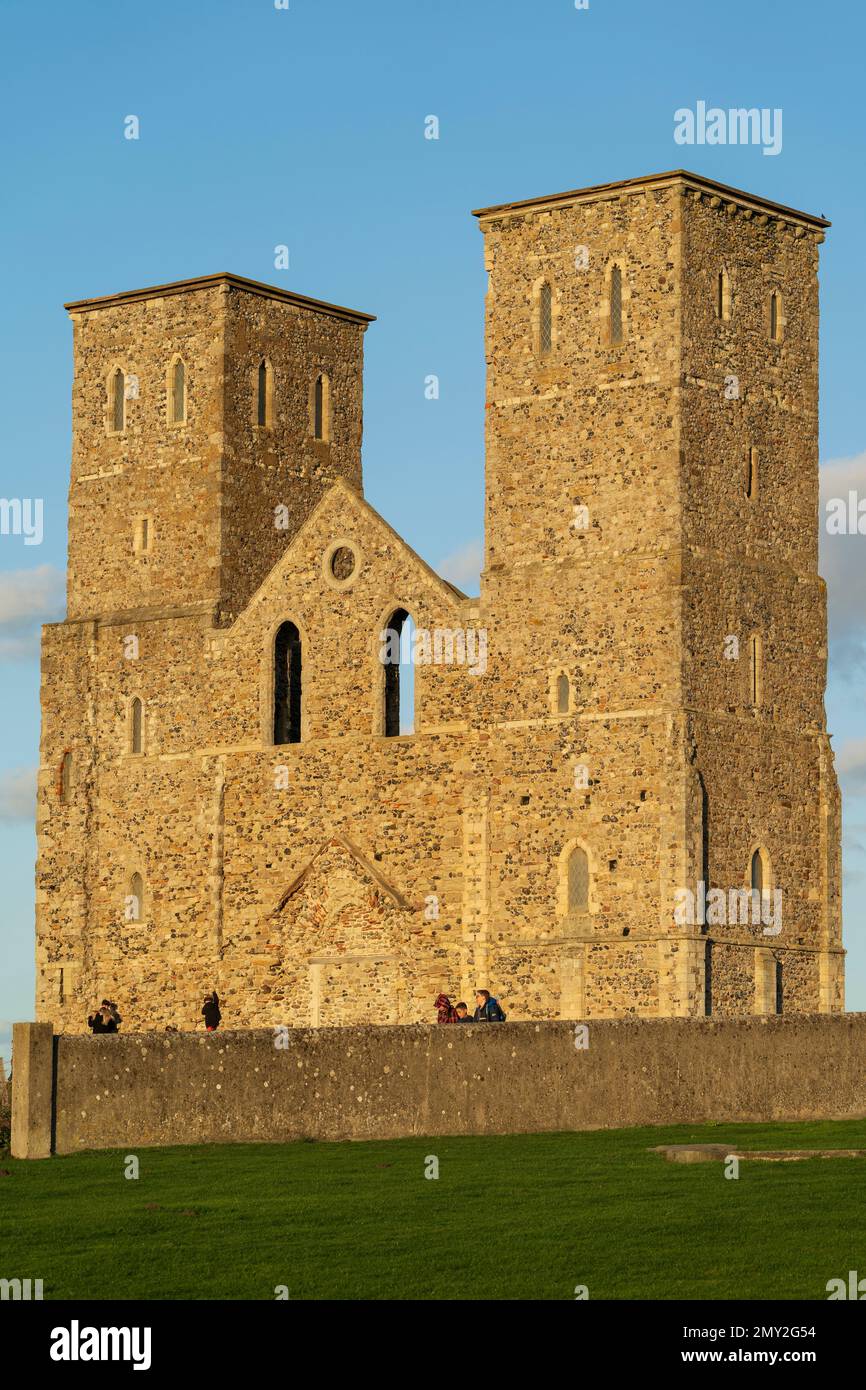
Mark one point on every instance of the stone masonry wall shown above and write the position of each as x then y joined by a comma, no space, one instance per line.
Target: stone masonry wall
374,1083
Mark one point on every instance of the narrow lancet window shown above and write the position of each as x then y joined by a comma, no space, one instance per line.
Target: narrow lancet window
616,305
262,394
395,681
178,393
752,475
321,408
136,730
287,685
135,899
757,878
755,671
66,779
578,880
545,320
118,402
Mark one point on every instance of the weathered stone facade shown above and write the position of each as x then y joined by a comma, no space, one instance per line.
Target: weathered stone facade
652,483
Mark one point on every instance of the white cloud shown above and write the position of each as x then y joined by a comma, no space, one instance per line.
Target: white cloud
843,565
28,598
853,838
18,794
463,568
851,767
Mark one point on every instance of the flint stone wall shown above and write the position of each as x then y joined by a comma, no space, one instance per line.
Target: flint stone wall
389,1082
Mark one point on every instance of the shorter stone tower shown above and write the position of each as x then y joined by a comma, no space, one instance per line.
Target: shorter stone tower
199,409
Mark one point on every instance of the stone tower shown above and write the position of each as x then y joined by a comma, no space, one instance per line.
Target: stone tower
652,497
207,483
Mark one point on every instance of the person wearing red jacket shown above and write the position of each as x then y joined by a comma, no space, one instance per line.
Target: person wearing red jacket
446,1010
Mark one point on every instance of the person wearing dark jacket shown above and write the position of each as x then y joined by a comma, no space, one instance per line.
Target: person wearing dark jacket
463,1014
211,1012
446,1012
105,1019
488,1010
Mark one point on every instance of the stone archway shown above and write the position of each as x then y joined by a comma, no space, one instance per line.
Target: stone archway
341,936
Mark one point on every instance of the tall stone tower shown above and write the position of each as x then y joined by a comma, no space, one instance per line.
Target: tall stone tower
651,533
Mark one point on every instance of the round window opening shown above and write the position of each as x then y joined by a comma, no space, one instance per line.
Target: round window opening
342,563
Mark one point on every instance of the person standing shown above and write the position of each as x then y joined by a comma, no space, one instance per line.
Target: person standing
105,1019
96,1021
211,1011
446,1012
487,1008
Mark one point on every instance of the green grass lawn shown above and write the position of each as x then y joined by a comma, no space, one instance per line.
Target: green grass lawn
512,1217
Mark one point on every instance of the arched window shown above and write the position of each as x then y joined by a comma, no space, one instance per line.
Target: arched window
723,296
134,906
563,693
263,394
545,319
776,316
616,304
117,401
287,684
66,778
757,871
395,654
752,475
756,675
321,407
759,882
578,880
136,726
177,392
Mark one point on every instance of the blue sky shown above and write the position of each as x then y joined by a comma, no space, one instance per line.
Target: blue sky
305,127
